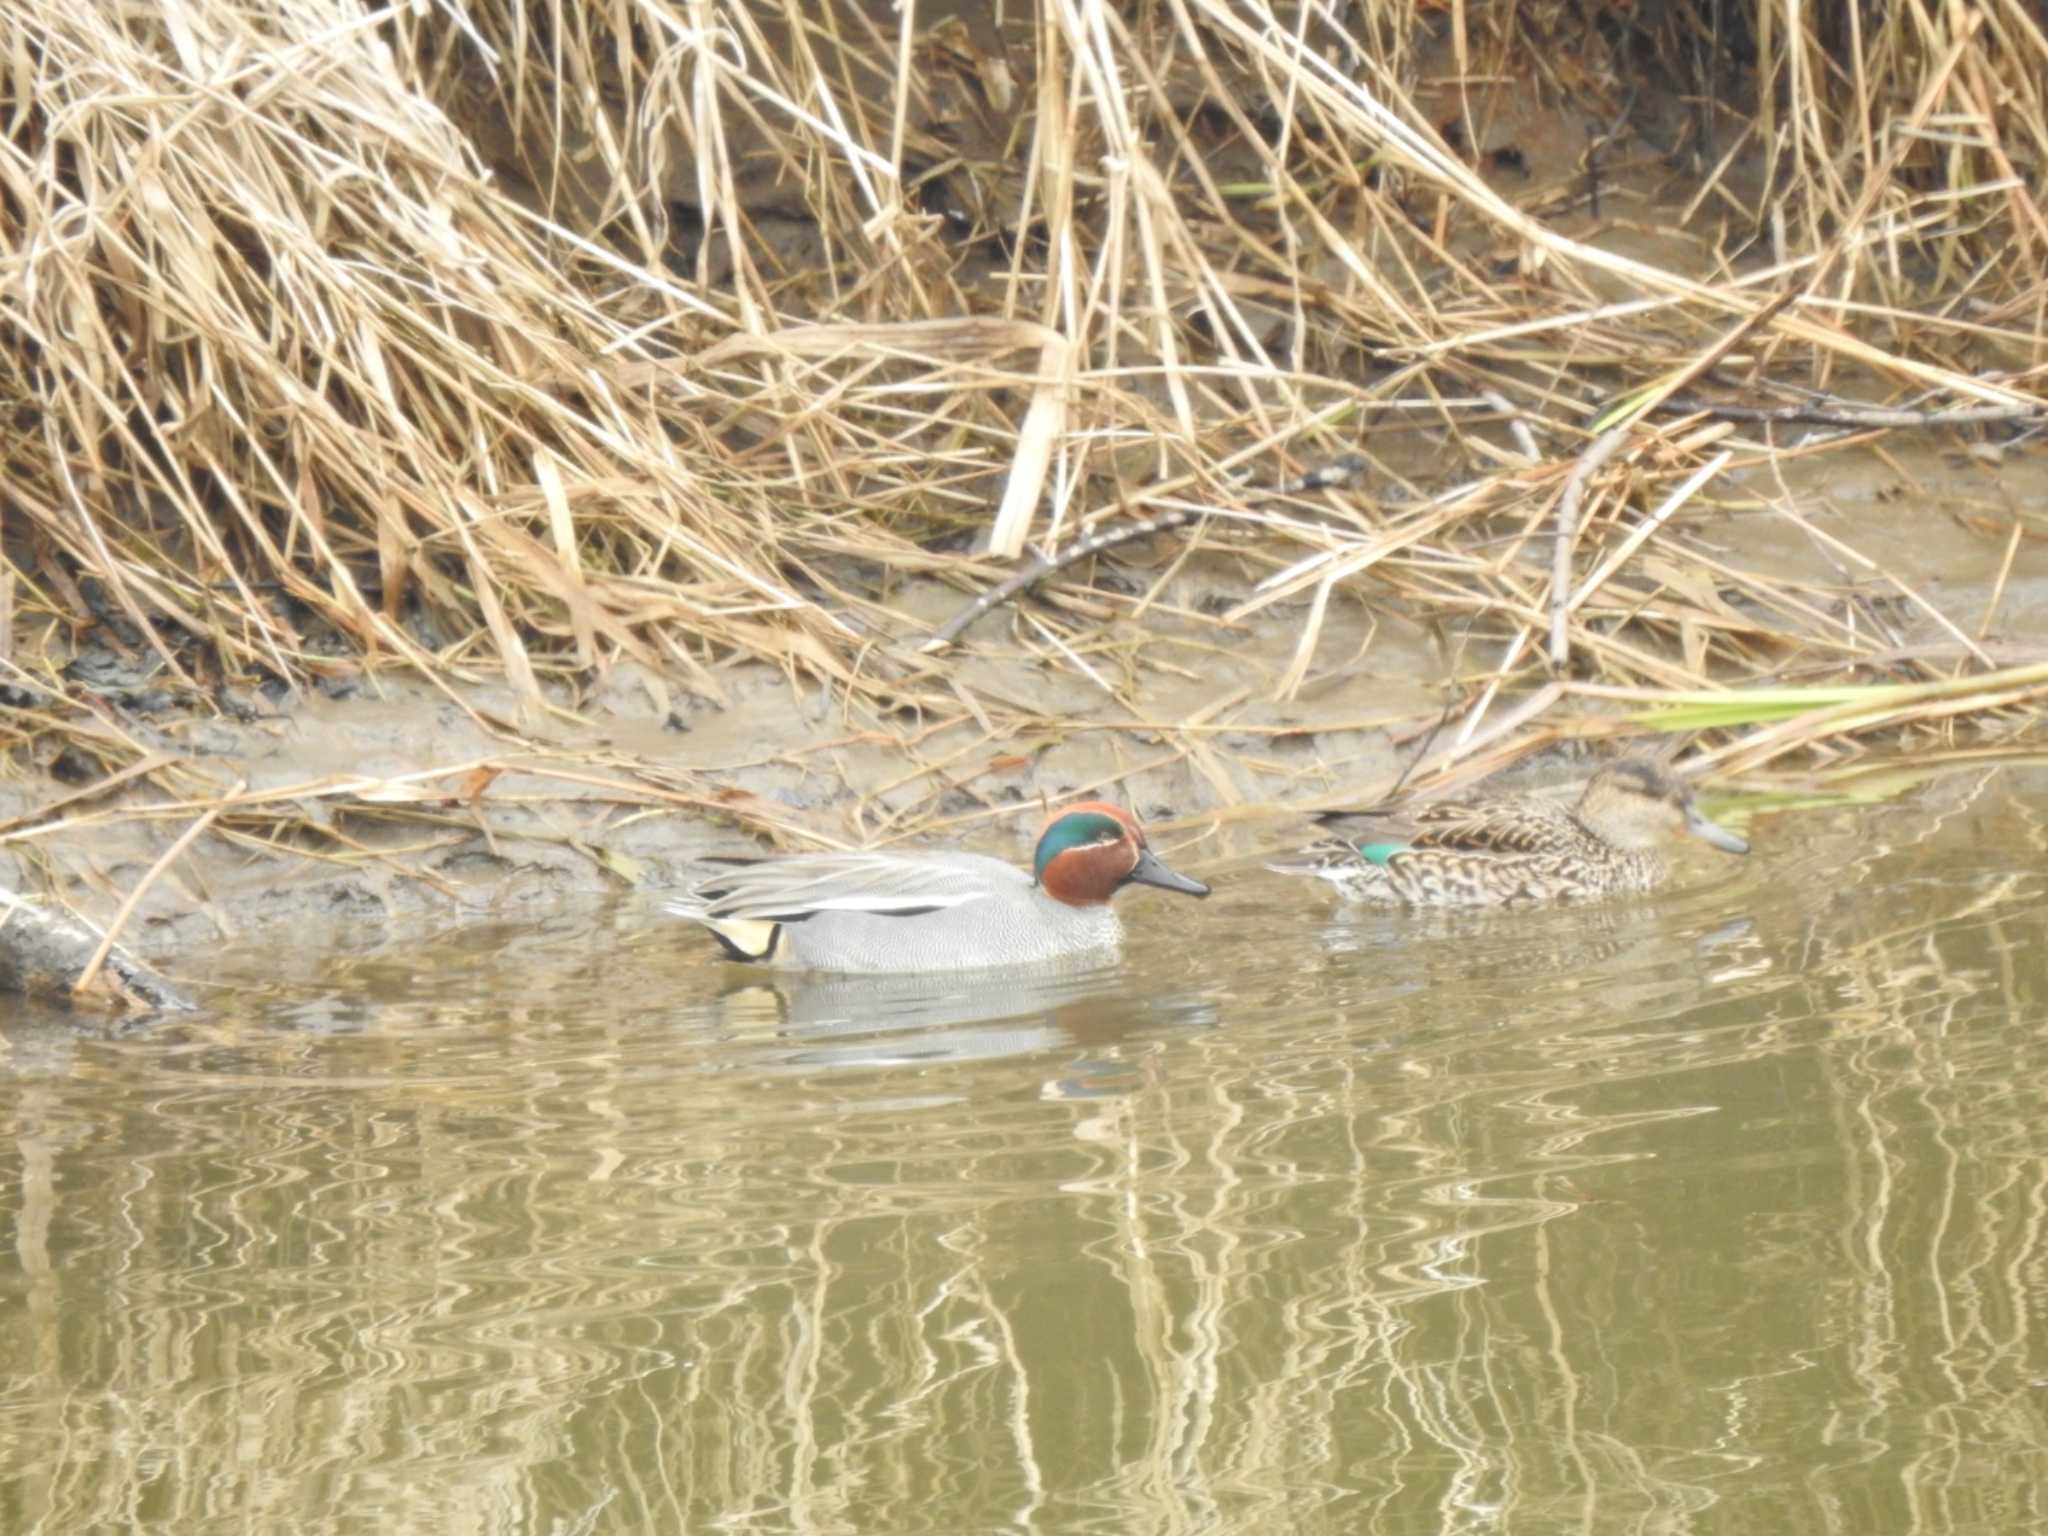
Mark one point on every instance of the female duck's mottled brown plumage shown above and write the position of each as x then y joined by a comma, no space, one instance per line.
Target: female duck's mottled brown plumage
1506,853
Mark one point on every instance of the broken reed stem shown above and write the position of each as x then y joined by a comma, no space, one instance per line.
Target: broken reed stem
1602,448
127,909
1518,425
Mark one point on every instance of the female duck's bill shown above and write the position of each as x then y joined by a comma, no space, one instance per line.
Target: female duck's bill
1635,803
1713,833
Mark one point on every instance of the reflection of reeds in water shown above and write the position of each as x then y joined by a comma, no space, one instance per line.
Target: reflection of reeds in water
1937,997
1626,1218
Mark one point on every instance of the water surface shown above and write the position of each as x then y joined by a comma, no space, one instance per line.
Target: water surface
1717,1212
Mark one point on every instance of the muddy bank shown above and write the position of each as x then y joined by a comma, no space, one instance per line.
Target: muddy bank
376,796
384,797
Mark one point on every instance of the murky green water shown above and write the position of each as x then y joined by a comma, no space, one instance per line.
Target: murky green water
1723,1212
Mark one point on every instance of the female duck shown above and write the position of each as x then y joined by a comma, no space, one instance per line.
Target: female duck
1510,853
934,911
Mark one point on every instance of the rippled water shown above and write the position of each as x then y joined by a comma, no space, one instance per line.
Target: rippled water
1719,1212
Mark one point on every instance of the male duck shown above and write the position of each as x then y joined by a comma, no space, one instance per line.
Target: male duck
1509,853
934,911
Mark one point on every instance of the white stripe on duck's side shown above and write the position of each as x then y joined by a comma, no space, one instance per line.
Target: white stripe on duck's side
942,911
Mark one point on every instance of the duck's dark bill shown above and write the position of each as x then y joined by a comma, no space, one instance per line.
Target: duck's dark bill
1150,871
1713,832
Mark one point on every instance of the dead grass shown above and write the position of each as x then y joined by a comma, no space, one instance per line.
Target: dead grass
335,339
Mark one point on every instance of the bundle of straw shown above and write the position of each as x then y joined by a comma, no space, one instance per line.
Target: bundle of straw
459,337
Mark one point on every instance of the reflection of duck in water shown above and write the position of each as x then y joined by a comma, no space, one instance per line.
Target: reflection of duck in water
1505,853
878,912
1066,1014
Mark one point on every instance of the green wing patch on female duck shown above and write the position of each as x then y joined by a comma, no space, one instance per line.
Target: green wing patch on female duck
939,911
1516,852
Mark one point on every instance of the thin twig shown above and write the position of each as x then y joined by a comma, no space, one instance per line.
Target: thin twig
1847,415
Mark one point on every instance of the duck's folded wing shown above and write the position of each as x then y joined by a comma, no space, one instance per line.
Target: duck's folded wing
1539,823
790,890
1493,826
